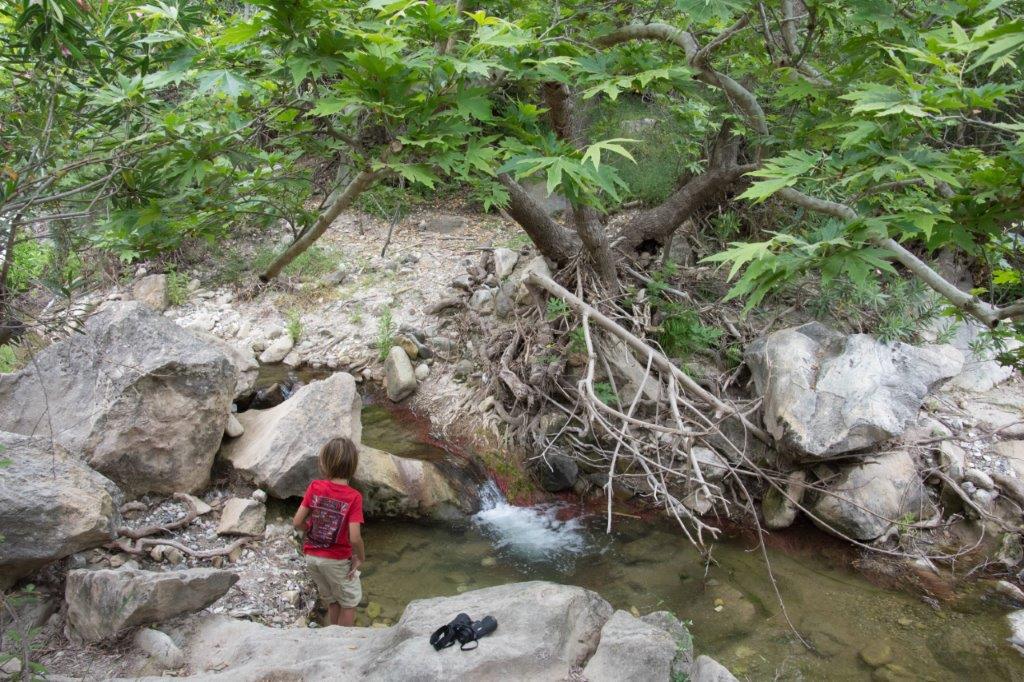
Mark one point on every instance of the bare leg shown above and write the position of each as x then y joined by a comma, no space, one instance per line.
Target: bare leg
334,613
348,617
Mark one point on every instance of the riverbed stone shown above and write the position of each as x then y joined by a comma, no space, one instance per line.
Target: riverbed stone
707,669
826,394
631,649
160,648
876,654
51,506
504,262
152,291
234,428
140,399
556,470
279,448
278,349
780,507
400,486
867,498
242,516
544,630
103,603
399,375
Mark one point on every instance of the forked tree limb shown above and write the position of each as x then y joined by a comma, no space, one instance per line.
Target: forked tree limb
551,239
139,548
658,359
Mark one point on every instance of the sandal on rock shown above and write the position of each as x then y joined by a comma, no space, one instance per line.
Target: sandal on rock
446,635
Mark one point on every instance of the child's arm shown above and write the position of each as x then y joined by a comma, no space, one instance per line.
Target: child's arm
299,520
355,537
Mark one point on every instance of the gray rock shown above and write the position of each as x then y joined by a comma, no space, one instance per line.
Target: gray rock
463,368
482,300
141,399
160,648
1012,452
278,349
1016,621
445,224
951,459
544,629
103,603
536,264
980,479
631,649
504,304
666,620
504,262
422,371
279,448
556,471
552,204
397,486
826,394
464,282
152,291
242,516
869,497
51,506
981,371
707,669
234,428
780,507
399,376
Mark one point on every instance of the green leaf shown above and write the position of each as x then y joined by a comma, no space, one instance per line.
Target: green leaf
224,82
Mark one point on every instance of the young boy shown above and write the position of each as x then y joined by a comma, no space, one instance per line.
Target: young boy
330,514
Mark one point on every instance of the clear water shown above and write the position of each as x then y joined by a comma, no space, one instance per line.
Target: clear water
735,615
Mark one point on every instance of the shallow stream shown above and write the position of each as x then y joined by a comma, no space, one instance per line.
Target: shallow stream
732,605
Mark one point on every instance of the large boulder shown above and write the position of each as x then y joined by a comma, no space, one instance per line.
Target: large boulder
981,370
103,603
51,506
867,498
631,649
279,447
393,486
141,399
544,630
826,394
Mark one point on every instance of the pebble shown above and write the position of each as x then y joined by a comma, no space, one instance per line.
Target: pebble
259,495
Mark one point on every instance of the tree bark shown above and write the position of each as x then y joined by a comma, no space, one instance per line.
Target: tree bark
358,184
550,238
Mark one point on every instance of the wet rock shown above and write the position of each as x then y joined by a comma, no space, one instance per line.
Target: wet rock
51,506
234,428
152,291
876,654
277,350
631,649
504,262
556,470
666,620
103,603
242,517
544,629
160,648
393,486
781,507
826,394
399,376
140,399
867,498
279,448
707,669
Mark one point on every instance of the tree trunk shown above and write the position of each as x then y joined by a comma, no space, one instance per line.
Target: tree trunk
595,242
550,238
358,184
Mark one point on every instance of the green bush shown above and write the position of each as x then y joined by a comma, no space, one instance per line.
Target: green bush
294,325
892,308
177,288
8,359
31,259
385,333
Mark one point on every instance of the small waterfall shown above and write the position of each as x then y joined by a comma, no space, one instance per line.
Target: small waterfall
531,534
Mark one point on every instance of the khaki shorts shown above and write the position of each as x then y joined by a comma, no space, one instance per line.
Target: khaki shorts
331,578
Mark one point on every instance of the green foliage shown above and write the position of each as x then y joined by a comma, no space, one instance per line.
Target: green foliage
293,325
386,202
385,333
680,332
893,308
606,393
30,261
556,308
9,361
177,288
313,263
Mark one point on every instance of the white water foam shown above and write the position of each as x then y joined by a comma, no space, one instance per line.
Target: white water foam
533,534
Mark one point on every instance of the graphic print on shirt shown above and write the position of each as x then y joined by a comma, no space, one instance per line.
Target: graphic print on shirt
327,520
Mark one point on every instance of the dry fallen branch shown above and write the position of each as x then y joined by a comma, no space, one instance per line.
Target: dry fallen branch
137,533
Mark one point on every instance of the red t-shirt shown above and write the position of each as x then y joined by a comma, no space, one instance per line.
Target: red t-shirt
332,507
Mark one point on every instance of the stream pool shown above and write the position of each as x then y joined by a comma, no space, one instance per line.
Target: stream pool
734,613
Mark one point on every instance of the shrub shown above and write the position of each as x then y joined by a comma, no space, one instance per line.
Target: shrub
177,288
294,325
385,333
